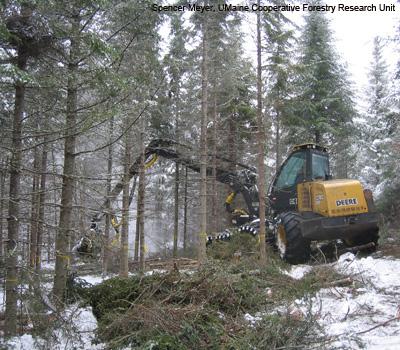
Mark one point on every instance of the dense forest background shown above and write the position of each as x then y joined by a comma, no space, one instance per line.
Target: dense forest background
86,85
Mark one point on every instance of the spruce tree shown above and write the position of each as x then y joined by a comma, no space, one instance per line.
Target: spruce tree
230,112
260,147
376,126
176,64
323,108
24,37
324,102
280,70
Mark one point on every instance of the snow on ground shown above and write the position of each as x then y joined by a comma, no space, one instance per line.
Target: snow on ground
365,315
93,279
368,311
2,300
78,333
298,272
253,319
48,265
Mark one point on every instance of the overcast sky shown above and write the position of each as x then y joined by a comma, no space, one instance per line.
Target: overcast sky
354,33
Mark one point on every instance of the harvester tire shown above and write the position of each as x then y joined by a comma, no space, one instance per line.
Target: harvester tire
291,244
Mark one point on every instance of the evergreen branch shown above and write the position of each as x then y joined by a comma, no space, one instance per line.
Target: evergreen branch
125,131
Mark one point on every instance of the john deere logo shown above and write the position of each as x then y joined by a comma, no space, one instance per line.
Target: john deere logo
347,201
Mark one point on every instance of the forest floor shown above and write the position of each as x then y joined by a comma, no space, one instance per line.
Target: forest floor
359,308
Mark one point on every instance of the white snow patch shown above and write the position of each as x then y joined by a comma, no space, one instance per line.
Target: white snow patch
2,301
24,342
48,265
369,313
382,272
155,272
298,272
252,319
77,334
94,279
384,343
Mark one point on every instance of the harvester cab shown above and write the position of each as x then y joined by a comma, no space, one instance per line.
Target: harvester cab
306,163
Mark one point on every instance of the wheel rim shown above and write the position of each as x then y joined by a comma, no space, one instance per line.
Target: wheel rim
281,241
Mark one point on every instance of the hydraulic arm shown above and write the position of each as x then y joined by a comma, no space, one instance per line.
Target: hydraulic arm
240,181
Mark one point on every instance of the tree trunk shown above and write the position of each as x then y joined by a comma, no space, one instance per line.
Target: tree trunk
137,233
232,140
260,146
318,137
232,152
55,209
141,208
42,198
106,244
64,228
185,207
214,168
34,210
176,210
10,327
107,228
175,101
3,173
277,142
202,254
123,270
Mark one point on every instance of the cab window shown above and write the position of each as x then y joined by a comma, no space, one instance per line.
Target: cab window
320,166
294,171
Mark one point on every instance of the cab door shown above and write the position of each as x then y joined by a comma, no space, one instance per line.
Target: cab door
283,194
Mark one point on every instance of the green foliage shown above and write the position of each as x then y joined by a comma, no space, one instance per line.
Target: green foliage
117,294
160,327
324,103
378,128
163,342
225,250
77,289
205,309
5,35
231,80
389,203
317,278
157,309
276,331
13,73
280,72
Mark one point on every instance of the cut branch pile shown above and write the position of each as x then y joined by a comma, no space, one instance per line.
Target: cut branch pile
204,309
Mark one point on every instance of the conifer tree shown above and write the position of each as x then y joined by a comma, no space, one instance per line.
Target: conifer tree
176,62
202,254
280,70
323,108
65,225
260,147
24,37
324,97
230,111
378,124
